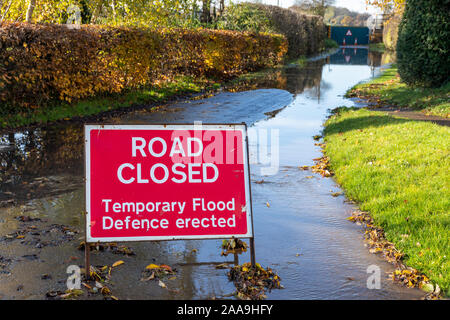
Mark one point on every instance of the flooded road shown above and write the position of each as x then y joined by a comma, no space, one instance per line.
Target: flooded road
301,230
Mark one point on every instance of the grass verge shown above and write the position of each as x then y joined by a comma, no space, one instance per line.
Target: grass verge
378,47
388,89
11,118
397,169
330,44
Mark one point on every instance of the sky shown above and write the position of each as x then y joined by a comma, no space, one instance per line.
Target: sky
354,5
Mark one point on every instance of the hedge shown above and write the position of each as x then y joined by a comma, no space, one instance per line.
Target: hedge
46,62
305,33
423,55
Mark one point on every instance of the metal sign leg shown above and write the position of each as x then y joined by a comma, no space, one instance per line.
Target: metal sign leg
252,251
87,249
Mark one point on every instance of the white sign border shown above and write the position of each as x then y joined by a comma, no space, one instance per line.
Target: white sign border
204,127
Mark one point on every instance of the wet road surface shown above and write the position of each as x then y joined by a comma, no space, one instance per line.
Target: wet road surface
303,234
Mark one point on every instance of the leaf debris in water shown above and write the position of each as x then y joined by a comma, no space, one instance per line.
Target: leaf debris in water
252,282
235,246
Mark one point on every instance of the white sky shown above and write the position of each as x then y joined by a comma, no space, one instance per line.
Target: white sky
354,5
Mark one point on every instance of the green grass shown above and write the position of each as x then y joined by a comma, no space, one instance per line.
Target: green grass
390,90
11,118
398,170
299,62
379,47
330,44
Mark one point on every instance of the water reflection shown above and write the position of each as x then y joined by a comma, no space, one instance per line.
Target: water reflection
360,56
32,160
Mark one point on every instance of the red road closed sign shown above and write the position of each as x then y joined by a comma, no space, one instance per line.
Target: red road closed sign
164,182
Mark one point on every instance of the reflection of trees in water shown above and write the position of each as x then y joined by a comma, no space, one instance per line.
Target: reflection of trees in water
292,78
31,154
40,152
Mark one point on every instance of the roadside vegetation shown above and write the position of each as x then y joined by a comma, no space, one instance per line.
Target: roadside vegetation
423,55
388,89
378,47
331,44
133,54
397,170
105,103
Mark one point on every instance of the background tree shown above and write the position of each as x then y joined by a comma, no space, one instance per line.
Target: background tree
387,6
30,10
206,11
317,7
144,13
336,15
4,8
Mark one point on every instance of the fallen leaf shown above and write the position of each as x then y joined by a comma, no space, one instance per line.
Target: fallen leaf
151,277
166,267
117,263
105,291
152,266
87,286
336,194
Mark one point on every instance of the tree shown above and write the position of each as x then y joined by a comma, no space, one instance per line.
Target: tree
4,9
206,11
347,21
387,5
317,7
30,10
143,13
96,7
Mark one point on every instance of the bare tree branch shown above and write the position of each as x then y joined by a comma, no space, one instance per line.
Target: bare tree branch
30,10
6,10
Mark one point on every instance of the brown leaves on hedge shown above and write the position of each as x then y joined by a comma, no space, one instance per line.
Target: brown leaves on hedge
45,62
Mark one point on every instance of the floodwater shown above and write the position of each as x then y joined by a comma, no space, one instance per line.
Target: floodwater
303,234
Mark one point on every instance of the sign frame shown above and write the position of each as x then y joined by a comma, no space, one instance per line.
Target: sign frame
174,126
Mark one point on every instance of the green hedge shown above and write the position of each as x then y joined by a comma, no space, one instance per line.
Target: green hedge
305,33
423,43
